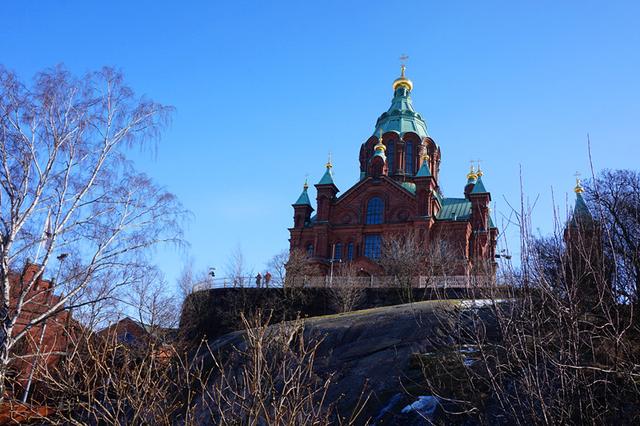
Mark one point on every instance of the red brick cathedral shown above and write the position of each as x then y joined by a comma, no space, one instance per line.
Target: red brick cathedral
398,193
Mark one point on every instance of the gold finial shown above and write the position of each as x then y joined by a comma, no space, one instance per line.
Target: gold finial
479,172
578,189
472,174
329,165
380,146
306,184
402,80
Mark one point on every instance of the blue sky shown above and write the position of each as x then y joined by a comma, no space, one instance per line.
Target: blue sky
264,90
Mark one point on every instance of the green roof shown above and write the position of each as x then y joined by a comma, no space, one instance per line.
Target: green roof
455,209
327,178
581,212
409,186
401,117
424,170
479,187
303,199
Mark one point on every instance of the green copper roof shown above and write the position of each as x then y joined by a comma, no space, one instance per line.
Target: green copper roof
401,117
424,170
327,178
303,199
581,212
455,209
409,186
479,187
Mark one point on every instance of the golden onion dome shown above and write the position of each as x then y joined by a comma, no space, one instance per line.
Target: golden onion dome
578,189
402,81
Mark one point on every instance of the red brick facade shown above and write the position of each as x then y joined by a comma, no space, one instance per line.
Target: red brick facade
399,166
52,332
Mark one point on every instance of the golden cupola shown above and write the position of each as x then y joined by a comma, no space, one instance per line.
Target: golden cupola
402,80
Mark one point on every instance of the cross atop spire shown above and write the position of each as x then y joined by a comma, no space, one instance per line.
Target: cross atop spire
402,80
471,176
403,59
329,165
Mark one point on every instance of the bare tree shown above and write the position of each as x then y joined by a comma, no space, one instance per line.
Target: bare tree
278,265
67,189
347,291
614,196
270,379
404,258
298,269
237,269
559,349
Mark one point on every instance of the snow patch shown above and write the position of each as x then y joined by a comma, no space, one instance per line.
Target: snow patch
480,303
425,405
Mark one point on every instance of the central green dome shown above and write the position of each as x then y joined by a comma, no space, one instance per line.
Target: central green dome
401,117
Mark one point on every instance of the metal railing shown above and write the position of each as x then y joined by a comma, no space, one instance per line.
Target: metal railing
236,282
454,281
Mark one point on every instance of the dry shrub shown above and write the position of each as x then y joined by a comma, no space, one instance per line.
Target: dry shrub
269,379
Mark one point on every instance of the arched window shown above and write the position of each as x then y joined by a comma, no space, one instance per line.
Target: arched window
337,251
391,151
374,211
309,250
350,251
408,158
372,246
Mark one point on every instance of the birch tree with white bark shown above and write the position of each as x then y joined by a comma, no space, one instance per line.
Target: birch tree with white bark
70,199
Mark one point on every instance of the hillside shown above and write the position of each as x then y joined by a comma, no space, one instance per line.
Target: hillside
379,350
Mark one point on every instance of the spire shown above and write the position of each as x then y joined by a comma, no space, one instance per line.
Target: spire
303,199
424,171
580,211
478,188
327,178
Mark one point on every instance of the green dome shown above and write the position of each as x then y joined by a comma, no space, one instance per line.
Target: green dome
401,117
409,186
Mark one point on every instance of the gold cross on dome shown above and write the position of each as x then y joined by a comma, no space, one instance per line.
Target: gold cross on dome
403,59
577,176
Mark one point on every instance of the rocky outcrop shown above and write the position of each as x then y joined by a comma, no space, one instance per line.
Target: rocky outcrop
374,351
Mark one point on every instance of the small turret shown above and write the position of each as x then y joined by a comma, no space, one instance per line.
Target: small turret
471,181
425,186
581,214
480,199
378,162
302,208
326,190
